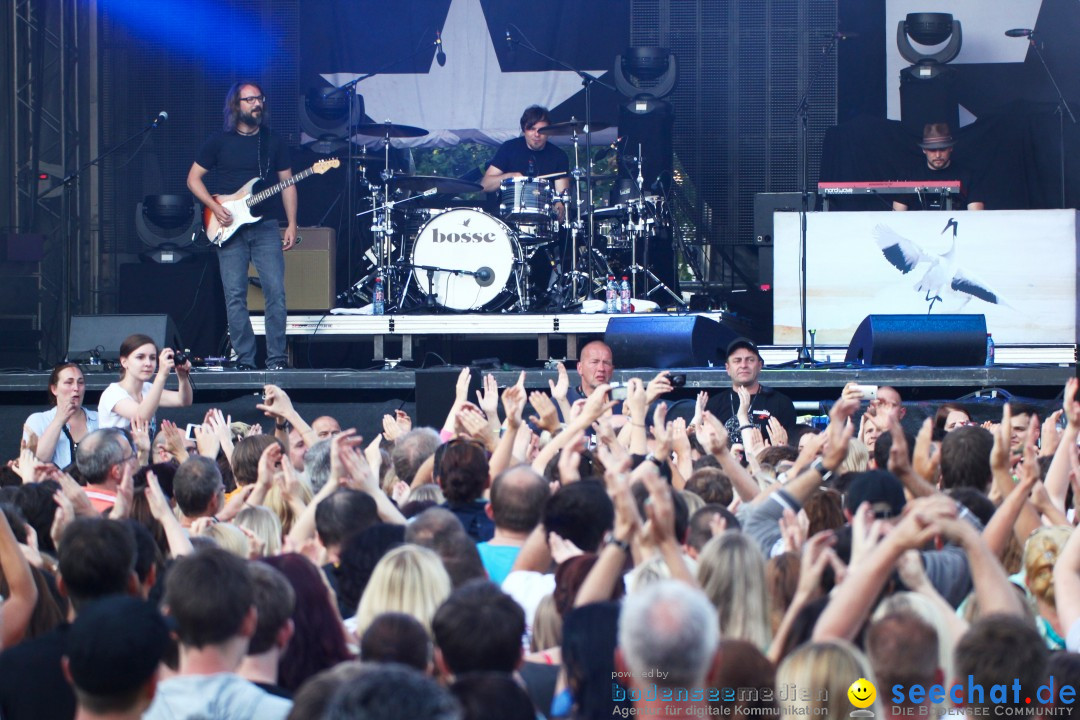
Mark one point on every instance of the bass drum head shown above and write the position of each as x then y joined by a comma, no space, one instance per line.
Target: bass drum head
465,240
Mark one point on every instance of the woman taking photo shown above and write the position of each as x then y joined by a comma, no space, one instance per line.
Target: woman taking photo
60,429
141,390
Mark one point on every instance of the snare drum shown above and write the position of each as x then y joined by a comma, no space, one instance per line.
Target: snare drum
526,200
470,241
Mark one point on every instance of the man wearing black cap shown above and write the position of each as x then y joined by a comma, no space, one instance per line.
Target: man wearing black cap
937,146
757,402
113,652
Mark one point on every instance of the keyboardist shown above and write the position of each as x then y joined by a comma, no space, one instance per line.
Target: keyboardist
937,147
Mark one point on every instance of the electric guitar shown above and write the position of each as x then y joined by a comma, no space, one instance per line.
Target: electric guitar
243,200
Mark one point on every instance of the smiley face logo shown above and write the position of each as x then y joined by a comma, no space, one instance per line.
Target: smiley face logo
862,693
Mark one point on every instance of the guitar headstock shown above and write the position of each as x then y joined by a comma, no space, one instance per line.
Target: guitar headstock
323,165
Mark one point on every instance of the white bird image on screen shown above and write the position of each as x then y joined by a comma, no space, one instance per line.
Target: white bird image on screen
944,272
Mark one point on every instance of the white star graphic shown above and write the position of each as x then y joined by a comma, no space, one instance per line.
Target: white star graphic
471,98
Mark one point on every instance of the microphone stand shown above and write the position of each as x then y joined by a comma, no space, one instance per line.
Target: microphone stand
587,81
66,183
802,113
349,89
1062,108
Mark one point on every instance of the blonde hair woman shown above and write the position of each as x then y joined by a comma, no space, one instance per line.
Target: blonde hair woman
409,579
1040,555
817,677
731,570
265,525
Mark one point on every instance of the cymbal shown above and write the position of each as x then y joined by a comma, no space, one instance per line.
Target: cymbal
442,185
604,178
571,127
389,129
368,159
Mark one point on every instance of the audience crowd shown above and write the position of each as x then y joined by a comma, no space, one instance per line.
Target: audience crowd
541,555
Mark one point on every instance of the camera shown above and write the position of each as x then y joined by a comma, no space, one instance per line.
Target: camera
677,381
869,392
180,357
618,391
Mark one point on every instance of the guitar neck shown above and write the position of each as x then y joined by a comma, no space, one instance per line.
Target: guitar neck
275,189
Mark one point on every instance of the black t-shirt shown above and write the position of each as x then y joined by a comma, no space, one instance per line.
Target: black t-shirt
32,685
233,159
920,171
765,404
515,156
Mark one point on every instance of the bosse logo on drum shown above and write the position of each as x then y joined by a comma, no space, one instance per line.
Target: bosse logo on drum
463,237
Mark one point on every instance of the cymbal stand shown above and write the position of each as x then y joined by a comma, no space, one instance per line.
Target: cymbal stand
572,298
639,231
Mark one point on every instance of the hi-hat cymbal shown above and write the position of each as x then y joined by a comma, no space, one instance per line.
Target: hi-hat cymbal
570,127
442,185
389,129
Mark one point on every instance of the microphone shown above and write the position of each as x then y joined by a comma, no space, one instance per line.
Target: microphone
510,54
484,276
1020,32
841,35
161,117
604,152
440,56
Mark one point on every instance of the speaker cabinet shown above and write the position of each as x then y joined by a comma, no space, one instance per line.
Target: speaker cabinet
435,390
667,342
309,273
929,340
101,335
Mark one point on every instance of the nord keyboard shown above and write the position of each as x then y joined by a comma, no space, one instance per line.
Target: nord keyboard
947,189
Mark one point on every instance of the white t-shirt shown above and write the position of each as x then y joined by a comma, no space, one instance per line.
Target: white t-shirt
41,420
112,395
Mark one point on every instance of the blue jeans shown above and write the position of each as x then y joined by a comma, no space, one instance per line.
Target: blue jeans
258,243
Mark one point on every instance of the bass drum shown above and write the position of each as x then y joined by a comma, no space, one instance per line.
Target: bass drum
479,258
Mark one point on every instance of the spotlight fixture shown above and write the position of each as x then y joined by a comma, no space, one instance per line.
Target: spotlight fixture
168,225
928,29
645,75
324,116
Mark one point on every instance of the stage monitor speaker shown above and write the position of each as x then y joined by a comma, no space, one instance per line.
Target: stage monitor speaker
435,389
930,340
101,335
309,273
667,341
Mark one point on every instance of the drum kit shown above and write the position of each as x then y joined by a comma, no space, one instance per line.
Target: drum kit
536,255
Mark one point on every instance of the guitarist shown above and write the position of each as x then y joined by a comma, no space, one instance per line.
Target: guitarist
245,149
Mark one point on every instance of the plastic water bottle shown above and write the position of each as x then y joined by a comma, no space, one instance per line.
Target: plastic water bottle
989,349
624,295
612,295
378,304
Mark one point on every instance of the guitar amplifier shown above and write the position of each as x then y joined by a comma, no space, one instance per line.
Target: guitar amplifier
309,273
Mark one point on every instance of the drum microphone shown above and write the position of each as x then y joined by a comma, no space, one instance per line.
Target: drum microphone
440,56
484,276
604,152
1020,32
161,117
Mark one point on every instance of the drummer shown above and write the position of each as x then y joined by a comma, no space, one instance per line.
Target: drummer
529,156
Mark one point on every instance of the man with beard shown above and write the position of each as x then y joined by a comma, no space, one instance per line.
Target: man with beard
937,147
245,149
749,403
